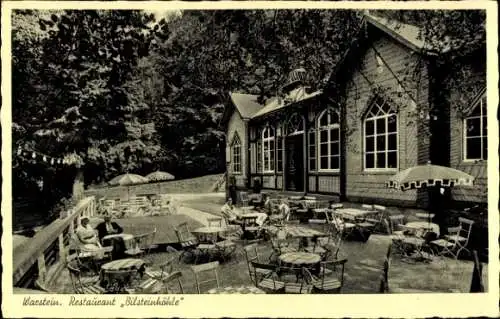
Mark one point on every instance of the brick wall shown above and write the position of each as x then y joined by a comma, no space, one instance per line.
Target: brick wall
412,143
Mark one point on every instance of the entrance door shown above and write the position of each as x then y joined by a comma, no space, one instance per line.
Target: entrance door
294,163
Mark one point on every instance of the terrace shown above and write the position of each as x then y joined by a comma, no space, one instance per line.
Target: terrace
42,263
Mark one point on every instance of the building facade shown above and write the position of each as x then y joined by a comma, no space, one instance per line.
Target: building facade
379,114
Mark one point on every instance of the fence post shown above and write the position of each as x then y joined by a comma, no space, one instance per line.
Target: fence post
62,248
42,270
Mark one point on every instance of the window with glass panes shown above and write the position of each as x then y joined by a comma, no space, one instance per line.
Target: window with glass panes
236,154
475,132
258,154
312,150
381,137
329,140
268,149
279,154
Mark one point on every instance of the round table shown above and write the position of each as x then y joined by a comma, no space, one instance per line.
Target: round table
124,264
207,233
236,290
300,258
422,226
116,265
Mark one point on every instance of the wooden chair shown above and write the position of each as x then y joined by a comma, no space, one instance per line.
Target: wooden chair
456,240
164,269
270,282
142,244
208,270
214,222
294,280
186,239
330,279
173,277
244,198
396,231
81,284
377,218
252,255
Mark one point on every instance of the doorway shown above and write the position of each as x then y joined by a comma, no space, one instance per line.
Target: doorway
294,156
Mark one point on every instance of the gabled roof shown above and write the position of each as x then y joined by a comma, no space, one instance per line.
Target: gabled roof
405,34
246,104
277,104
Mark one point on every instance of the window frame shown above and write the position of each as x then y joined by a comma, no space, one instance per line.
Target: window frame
386,116
310,145
329,127
478,103
266,140
236,143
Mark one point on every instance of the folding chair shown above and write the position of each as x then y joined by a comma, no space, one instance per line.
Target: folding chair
142,244
270,282
456,240
214,222
244,198
188,241
396,231
377,219
330,279
173,277
297,286
207,270
81,284
252,255
164,269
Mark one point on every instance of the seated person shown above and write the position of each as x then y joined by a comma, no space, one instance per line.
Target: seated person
233,215
87,236
228,211
107,227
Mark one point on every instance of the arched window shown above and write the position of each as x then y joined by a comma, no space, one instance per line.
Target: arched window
381,137
475,131
329,140
268,149
236,154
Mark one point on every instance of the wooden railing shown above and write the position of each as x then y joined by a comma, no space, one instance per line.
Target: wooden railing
42,256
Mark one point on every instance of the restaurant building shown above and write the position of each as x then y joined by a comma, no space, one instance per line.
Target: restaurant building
381,112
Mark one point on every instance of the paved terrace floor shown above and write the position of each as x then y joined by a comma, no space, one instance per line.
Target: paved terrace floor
362,274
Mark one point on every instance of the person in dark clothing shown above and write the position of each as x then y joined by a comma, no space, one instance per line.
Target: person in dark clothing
439,206
107,227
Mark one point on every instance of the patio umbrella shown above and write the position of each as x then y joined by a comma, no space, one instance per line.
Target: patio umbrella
127,180
427,176
159,176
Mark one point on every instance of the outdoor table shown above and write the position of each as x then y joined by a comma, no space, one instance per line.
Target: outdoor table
208,233
128,239
422,227
121,264
418,244
301,259
236,290
354,212
304,233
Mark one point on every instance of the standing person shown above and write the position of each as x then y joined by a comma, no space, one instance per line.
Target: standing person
438,205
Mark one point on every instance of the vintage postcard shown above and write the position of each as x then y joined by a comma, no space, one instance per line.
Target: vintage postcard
250,159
